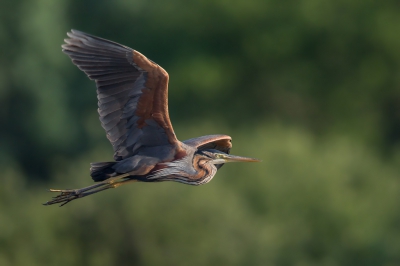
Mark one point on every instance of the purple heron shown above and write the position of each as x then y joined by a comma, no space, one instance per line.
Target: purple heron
133,108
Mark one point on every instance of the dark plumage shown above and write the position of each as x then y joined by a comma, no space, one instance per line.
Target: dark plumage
132,94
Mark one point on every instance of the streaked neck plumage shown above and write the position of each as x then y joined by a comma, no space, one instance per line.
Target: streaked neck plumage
194,169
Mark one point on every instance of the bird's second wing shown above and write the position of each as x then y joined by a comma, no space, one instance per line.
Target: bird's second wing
218,142
132,93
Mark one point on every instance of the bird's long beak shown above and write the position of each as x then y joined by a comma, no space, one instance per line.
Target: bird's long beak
233,158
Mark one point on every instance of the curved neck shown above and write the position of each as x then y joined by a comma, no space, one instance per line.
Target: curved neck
205,170
196,170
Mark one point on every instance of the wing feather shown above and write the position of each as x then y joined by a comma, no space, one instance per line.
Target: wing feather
218,142
132,93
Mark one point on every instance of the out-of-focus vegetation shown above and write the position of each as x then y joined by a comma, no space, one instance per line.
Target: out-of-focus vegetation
310,87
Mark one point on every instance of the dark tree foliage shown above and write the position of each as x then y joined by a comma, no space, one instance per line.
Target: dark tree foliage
311,87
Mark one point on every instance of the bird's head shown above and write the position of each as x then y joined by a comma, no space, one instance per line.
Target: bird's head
217,157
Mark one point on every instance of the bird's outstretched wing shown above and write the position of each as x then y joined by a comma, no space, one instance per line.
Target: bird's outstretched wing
218,142
132,92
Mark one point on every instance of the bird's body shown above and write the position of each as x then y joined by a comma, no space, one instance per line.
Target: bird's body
133,107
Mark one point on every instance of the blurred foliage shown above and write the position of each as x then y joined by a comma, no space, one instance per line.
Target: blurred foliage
311,87
308,203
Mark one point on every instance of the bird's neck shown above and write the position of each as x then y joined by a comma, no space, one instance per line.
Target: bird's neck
205,170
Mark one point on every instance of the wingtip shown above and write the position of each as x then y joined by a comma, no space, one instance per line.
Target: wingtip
74,31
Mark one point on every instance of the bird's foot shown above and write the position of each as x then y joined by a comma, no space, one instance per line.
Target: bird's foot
66,195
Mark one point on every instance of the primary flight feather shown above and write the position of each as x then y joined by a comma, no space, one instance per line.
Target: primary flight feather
132,93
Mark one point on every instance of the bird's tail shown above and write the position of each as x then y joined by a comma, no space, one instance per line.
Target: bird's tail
102,170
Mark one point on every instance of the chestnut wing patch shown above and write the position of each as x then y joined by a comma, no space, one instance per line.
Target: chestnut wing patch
132,93
218,142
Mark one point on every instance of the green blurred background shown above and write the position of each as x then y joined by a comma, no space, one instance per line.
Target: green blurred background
310,87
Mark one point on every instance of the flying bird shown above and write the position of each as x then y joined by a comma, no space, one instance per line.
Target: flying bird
132,93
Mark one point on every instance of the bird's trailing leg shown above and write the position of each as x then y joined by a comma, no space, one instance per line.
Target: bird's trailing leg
67,195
